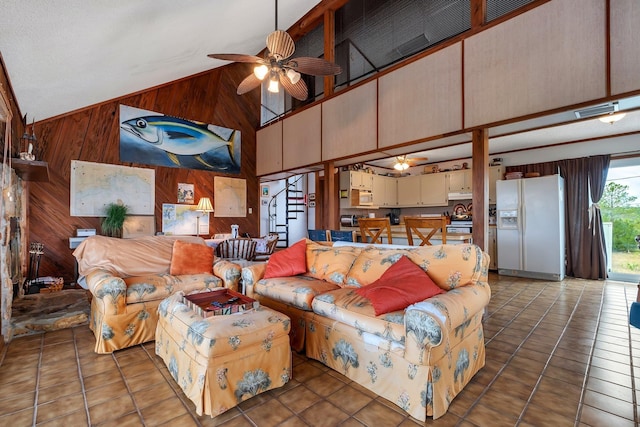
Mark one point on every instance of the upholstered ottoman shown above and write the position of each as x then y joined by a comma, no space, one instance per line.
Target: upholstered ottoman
220,361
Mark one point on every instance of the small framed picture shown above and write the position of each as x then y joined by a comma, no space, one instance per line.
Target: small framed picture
264,202
312,204
264,191
312,196
185,193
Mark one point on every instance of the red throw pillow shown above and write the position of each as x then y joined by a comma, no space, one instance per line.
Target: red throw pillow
191,258
289,262
403,284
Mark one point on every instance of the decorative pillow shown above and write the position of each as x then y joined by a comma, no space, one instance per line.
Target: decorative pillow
371,264
288,262
329,263
403,284
261,245
191,258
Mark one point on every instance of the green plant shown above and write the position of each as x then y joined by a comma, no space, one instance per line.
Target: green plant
114,220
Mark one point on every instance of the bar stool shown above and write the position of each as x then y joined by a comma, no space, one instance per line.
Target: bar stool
421,225
374,228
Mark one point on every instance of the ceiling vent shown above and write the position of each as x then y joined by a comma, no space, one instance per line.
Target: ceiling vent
597,110
414,45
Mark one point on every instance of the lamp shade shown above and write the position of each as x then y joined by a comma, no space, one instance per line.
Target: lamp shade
204,205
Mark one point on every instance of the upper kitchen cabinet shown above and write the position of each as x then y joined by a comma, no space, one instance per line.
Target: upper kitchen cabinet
422,99
269,149
548,57
496,173
357,180
301,140
349,122
422,190
460,184
625,49
385,191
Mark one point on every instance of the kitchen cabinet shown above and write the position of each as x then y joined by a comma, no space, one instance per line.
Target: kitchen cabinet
496,173
493,249
460,181
423,190
384,190
357,180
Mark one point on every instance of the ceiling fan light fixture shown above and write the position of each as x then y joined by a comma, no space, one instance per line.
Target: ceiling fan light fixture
612,118
274,87
400,166
293,76
260,71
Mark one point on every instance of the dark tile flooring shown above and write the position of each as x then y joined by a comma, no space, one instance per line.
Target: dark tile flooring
558,354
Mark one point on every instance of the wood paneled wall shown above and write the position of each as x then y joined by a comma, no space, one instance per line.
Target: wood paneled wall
92,134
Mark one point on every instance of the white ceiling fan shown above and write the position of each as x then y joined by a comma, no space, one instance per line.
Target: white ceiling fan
278,65
403,163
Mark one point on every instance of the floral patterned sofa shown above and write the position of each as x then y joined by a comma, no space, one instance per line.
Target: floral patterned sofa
419,353
128,278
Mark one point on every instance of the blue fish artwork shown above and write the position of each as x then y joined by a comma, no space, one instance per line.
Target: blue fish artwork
151,138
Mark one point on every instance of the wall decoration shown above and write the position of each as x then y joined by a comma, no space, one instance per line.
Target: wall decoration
138,226
185,193
151,138
95,185
264,202
264,191
182,220
230,195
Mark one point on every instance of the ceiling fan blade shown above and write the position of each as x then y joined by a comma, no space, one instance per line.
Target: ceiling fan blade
249,83
314,66
280,44
298,90
236,57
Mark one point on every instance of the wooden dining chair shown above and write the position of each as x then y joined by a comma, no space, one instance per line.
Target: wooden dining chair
240,248
374,228
425,229
342,236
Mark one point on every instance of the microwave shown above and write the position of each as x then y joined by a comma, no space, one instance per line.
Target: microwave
365,197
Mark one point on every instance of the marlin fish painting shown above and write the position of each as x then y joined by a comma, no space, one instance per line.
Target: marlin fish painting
150,138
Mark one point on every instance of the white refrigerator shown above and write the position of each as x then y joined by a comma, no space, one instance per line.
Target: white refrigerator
531,229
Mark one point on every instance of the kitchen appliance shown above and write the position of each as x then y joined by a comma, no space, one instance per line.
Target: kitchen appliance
460,226
530,227
365,197
394,216
349,220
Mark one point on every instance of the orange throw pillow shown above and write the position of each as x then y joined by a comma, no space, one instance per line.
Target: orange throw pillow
191,258
403,284
289,262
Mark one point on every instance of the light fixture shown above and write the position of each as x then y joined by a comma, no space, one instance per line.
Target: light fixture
260,71
612,118
273,85
293,76
401,165
204,206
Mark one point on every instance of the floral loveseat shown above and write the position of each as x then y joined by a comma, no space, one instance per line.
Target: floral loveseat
421,353
128,278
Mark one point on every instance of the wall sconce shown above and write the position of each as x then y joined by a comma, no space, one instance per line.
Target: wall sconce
204,206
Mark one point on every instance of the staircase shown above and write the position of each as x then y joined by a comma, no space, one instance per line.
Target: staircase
293,196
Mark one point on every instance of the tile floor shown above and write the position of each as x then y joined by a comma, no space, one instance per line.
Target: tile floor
558,354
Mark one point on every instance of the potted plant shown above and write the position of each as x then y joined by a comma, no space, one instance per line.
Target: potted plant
114,220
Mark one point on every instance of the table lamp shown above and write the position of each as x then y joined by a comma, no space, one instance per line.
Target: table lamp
204,206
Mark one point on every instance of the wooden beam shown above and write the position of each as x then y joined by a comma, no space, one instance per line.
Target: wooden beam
480,179
330,206
311,20
329,47
478,13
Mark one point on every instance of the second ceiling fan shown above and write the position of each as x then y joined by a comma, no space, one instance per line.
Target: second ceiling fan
280,68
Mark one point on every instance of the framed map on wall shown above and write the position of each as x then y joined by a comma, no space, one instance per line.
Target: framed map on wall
183,220
95,185
230,197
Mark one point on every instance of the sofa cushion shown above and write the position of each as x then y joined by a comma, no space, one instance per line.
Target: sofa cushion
329,263
449,266
159,286
346,306
371,263
191,258
403,284
298,291
288,262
